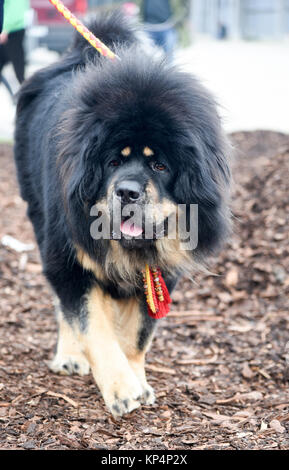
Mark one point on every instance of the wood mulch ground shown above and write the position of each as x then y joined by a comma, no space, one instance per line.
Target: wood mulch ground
219,362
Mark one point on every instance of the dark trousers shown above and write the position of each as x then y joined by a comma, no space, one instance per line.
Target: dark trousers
13,51
166,39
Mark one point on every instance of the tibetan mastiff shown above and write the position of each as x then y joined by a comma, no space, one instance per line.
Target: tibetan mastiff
91,132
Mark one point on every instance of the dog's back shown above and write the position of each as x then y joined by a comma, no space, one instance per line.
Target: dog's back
33,108
112,29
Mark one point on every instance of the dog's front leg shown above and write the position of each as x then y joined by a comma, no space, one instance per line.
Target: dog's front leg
68,358
134,330
116,379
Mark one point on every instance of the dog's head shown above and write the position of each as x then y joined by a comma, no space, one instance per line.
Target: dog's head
141,143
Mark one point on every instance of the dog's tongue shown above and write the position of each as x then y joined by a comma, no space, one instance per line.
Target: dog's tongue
129,228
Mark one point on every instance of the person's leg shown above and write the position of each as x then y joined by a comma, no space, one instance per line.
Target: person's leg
7,85
15,50
3,61
165,39
158,38
3,57
171,40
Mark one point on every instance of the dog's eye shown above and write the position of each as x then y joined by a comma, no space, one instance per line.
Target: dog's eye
115,163
158,166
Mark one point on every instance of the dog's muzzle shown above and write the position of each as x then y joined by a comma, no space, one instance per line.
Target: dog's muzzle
128,191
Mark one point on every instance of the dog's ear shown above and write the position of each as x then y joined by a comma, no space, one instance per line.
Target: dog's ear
80,170
204,179
81,176
87,174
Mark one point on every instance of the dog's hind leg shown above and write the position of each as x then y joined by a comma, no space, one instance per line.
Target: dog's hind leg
68,358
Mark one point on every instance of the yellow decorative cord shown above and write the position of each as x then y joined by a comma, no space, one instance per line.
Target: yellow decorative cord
150,299
79,26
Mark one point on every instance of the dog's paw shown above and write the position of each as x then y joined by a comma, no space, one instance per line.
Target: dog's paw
124,396
68,365
148,395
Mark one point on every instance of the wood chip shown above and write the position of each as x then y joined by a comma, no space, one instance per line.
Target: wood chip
247,372
161,370
64,397
275,424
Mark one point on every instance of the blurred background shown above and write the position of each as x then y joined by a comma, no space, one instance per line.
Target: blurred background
238,48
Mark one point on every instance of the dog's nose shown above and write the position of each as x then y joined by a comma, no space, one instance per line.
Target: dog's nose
128,191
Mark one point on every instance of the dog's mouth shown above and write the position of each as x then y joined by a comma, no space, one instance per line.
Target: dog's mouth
136,225
136,235
133,234
129,229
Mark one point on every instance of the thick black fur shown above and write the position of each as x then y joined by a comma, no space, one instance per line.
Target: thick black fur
76,115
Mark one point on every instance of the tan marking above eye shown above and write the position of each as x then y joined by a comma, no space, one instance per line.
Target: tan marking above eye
126,152
148,152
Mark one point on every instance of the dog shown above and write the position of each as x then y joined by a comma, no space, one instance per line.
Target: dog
90,133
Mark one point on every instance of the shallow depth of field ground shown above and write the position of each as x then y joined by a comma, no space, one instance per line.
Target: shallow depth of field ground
219,363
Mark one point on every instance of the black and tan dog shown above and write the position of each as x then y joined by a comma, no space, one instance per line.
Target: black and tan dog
138,131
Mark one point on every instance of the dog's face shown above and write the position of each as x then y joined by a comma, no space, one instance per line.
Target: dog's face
141,140
136,194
